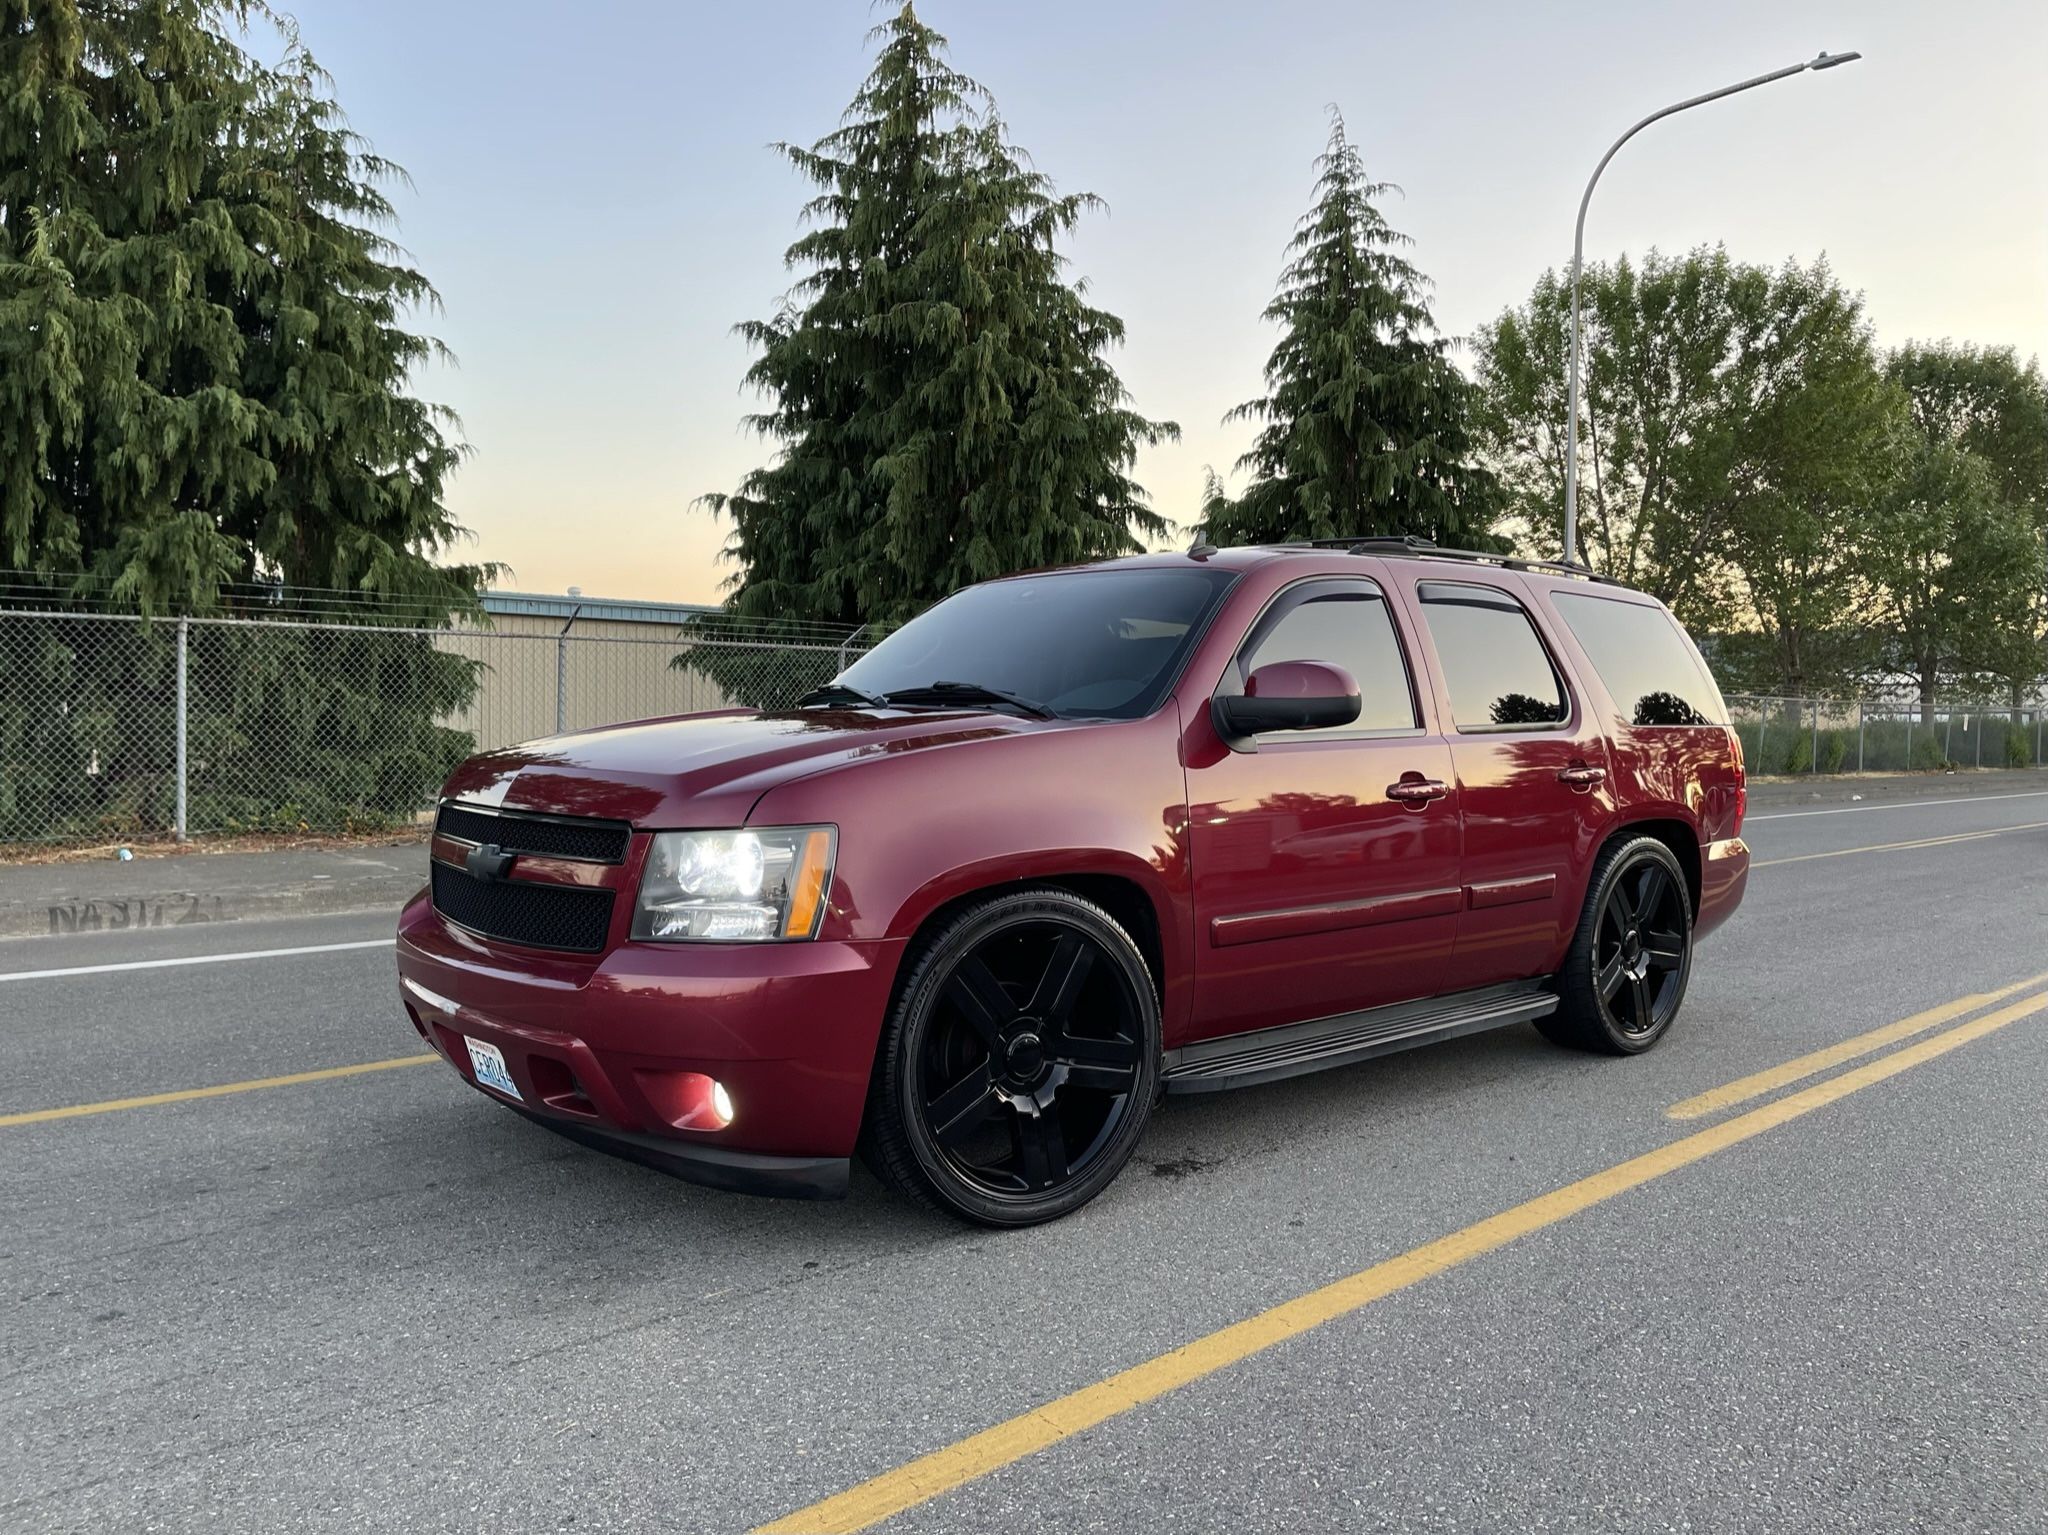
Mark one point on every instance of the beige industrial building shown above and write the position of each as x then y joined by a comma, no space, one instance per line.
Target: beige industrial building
553,663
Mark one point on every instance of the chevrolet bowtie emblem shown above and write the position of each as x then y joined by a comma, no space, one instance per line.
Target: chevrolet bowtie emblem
488,861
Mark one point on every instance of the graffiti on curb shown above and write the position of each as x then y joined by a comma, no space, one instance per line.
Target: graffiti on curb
144,911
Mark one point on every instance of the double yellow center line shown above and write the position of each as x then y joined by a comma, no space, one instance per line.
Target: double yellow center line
976,1456
1769,1081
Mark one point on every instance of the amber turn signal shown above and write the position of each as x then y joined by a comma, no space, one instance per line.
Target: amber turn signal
807,885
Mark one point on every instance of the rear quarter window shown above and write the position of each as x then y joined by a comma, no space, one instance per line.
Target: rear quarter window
1650,668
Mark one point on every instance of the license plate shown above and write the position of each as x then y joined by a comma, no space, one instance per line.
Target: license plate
488,1062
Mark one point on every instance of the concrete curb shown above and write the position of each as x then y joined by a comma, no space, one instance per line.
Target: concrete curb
58,900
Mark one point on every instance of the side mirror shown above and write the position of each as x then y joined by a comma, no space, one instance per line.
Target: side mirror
1287,695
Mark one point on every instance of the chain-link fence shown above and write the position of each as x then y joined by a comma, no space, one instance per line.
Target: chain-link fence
116,729
1835,735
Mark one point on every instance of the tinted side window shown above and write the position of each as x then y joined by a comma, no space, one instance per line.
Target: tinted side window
1496,669
1351,628
1644,660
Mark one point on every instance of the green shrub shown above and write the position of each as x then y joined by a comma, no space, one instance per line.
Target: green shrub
1928,752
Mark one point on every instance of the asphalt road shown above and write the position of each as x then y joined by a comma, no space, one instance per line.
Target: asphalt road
378,1301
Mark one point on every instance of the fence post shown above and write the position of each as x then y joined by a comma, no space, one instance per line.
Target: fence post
1948,740
1909,743
848,641
2038,761
1813,764
184,630
1763,730
562,672
1862,719
1980,740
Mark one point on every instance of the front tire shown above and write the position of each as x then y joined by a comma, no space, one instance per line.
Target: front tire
1625,975
1019,1066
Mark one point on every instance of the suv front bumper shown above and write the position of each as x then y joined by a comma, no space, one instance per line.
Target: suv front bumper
596,1046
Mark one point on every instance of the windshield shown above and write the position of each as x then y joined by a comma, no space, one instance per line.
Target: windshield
1102,643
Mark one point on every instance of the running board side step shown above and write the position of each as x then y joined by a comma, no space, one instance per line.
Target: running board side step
1240,1060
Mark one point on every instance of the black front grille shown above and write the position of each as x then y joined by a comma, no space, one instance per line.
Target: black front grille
538,916
541,837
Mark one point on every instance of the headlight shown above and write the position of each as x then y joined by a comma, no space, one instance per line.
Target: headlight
729,886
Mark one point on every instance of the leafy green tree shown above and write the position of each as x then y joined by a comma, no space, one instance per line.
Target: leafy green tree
1655,339
1366,427
1983,401
204,365
1734,422
1951,571
1952,551
940,395
1804,450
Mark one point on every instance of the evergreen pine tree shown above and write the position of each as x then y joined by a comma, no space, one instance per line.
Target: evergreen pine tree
204,378
1366,425
940,395
203,361
354,501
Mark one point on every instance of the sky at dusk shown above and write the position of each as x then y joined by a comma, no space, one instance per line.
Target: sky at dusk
594,197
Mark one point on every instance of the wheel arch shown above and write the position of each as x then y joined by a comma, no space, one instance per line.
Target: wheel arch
1125,887
1677,834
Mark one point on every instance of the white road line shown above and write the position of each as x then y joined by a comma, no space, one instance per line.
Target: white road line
195,959
1910,804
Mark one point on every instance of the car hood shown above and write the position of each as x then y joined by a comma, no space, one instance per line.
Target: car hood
707,769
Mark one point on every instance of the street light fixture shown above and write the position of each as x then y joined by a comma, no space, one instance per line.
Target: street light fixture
1824,60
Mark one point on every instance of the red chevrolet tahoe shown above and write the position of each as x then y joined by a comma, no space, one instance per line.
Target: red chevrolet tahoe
1072,840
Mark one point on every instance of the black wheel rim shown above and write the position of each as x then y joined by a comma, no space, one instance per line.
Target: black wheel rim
1639,950
1027,1070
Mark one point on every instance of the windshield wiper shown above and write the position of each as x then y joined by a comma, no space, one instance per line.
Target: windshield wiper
840,693
970,692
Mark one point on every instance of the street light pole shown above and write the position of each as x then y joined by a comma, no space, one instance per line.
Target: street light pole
1571,426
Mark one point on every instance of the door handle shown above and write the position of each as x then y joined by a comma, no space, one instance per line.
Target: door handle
1417,792
1580,776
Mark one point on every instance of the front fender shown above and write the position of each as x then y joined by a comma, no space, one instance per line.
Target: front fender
1101,800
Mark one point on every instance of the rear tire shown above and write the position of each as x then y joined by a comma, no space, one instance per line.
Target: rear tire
1018,1068
1625,975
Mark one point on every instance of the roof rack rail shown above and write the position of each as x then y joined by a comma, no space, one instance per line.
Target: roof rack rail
1415,546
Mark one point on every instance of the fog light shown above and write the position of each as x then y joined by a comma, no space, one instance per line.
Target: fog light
689,1100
